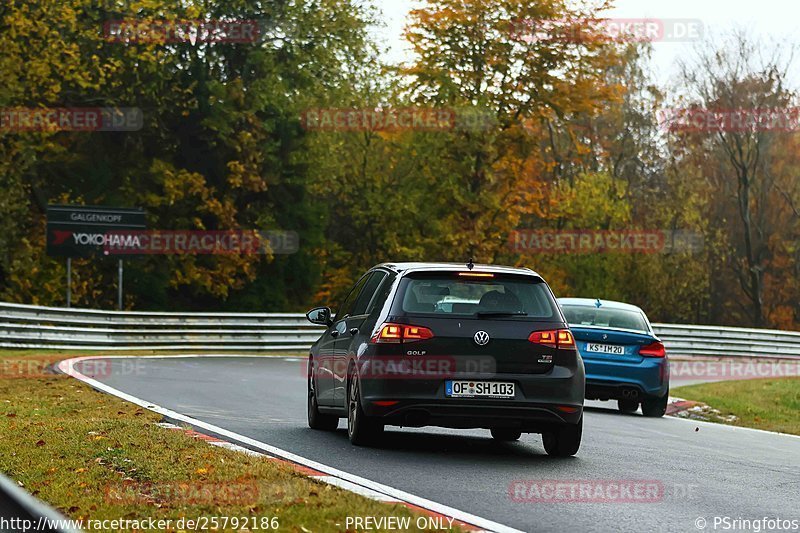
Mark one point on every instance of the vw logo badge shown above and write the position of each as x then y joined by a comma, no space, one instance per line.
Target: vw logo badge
481,338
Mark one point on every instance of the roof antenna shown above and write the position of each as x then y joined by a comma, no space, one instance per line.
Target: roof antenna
598,304
471,263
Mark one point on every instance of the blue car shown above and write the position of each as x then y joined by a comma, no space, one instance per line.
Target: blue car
624,360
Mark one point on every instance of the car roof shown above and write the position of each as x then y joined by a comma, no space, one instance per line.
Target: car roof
592,302
406,267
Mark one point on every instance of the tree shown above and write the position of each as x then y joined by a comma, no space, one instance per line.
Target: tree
221,147
734,84
484,56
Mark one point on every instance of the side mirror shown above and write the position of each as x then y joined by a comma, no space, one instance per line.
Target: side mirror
320,315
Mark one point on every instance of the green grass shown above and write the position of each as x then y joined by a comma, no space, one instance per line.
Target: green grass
94,456
769,404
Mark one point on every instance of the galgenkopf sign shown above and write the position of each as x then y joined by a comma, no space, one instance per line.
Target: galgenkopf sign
83,231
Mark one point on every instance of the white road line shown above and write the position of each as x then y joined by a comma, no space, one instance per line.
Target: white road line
68,367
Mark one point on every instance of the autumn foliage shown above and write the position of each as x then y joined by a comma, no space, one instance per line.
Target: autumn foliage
546,131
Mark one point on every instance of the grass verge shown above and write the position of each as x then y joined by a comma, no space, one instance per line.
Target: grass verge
769,404
95,457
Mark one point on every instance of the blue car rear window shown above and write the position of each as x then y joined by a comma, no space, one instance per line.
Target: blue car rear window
581,315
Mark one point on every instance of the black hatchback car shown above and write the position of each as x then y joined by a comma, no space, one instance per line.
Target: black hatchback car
450,345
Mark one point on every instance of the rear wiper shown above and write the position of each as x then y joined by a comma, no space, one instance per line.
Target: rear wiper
501,313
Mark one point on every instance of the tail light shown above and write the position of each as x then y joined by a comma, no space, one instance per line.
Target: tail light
399,333
561,338
655,349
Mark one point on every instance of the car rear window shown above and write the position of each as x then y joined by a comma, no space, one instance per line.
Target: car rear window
502,295
582,315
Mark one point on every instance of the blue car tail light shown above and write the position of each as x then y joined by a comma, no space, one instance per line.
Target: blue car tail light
655,349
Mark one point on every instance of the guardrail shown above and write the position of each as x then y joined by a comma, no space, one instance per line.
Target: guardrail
28,326
21,512
724,341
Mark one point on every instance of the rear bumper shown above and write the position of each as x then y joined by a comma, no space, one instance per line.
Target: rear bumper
614,380
531,418
541,401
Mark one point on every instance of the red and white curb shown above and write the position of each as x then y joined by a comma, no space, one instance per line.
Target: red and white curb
326,474
676,405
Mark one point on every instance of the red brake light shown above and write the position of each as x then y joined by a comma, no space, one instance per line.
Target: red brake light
548,338
416,333
476,274
565,338
655,349
390,333
398,333
561,338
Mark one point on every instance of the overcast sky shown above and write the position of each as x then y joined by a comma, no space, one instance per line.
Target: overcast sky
776,19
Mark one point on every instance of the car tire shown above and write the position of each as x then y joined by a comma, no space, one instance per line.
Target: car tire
317,420
655,407
563,441
361,429
506,434
627,406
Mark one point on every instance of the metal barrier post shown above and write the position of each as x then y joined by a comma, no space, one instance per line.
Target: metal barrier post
119,287
69,282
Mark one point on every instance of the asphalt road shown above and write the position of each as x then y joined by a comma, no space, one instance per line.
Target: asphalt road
701,470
